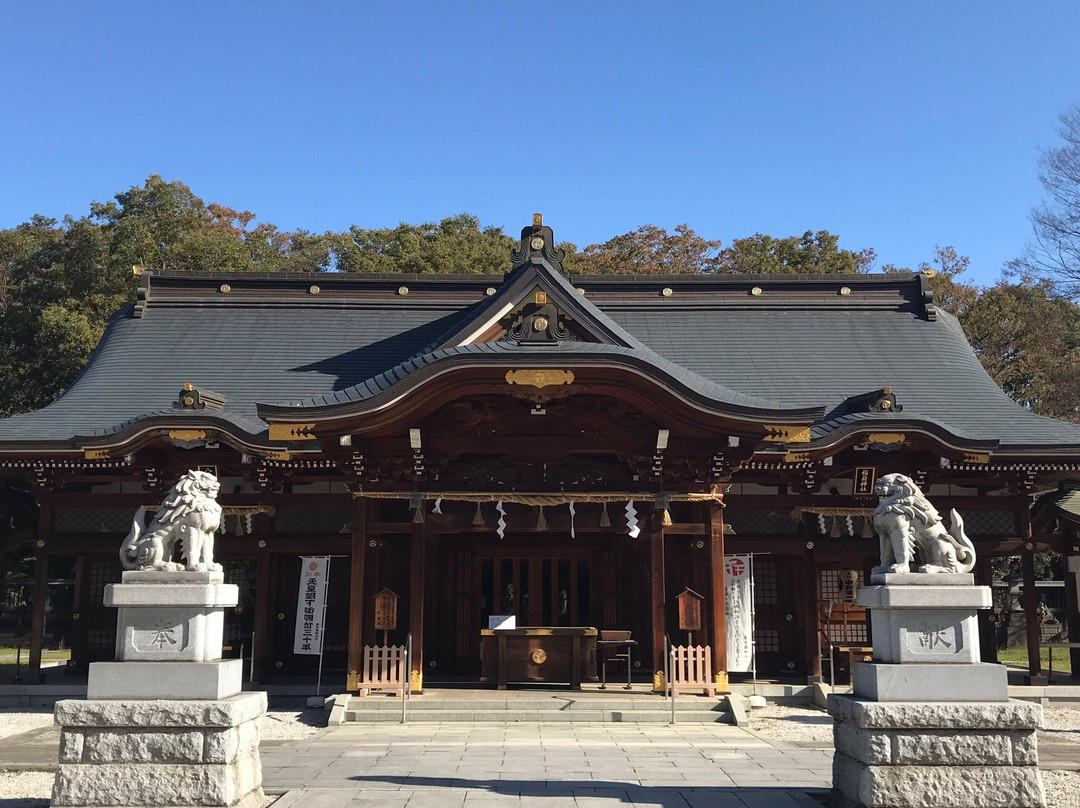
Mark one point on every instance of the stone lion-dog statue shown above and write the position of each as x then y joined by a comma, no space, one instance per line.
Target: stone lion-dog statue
905,521
190,515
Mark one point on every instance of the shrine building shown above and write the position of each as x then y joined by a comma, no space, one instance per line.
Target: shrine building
569,451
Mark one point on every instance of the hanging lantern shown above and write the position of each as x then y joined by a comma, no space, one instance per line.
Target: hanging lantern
541,522
478,517
605,520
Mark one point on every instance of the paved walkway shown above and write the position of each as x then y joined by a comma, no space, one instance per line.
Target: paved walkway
544,766
538,766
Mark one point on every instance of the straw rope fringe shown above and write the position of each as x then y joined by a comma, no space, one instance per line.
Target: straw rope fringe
539,499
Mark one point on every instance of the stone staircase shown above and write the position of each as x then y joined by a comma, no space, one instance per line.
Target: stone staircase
534,707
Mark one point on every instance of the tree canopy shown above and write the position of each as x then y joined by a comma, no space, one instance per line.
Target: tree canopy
1056,222
814,253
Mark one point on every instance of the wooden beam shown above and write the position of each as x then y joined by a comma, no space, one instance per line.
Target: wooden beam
719,607
358,551
417,554
659,604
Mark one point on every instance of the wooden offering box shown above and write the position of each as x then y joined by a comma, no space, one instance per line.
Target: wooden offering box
539,654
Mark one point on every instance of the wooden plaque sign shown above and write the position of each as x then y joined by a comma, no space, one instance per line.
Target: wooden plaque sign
386,611
865,477
690,610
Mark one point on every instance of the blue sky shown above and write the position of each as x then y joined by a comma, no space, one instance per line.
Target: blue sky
897,126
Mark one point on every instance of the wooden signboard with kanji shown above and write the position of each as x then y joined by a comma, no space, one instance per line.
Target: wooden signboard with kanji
690,610
386,603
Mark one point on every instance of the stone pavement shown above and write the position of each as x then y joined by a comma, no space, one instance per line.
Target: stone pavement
544,766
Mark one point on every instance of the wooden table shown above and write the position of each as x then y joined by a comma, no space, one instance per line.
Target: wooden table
538,654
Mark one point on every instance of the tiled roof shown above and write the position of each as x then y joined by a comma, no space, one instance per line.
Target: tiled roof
796,345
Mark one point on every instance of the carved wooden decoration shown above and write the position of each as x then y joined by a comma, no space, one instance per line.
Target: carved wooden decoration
540,378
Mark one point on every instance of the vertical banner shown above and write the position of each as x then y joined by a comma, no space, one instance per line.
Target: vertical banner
309,605
739,620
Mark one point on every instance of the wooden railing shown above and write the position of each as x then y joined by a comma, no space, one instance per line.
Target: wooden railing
384,667
691,669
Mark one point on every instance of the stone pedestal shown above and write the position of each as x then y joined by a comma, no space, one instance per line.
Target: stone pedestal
166,724
928,725
956,754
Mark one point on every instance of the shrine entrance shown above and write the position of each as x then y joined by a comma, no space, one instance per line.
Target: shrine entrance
542,581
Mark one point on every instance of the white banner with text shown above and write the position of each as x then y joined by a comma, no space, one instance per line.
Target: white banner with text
737,594
309,605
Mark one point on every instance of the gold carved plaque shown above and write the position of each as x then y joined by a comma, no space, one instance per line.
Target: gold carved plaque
291,432
540,378
277,455
796,457
539,656
95,454
187,434
886,437
976,457
787,434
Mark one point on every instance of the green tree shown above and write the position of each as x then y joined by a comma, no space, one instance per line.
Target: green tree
60,281
812,252
649,250
1028,339
457,244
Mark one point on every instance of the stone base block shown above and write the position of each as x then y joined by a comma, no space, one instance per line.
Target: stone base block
925,623
930,682
170,616
160,752
859,784
936,755
920,579
165,680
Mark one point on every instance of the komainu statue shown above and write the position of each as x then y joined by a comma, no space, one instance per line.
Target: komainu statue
189,514
905,521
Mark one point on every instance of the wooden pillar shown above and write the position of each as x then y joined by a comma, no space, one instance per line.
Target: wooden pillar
1031,606
37,615
417,555
264,604
719,607
659,601
356,592
41,588
811,608
79,638
987,627
1072,599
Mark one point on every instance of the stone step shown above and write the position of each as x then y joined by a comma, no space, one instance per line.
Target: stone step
372,704
519,716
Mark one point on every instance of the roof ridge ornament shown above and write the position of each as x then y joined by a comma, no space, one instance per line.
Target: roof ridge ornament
537,245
